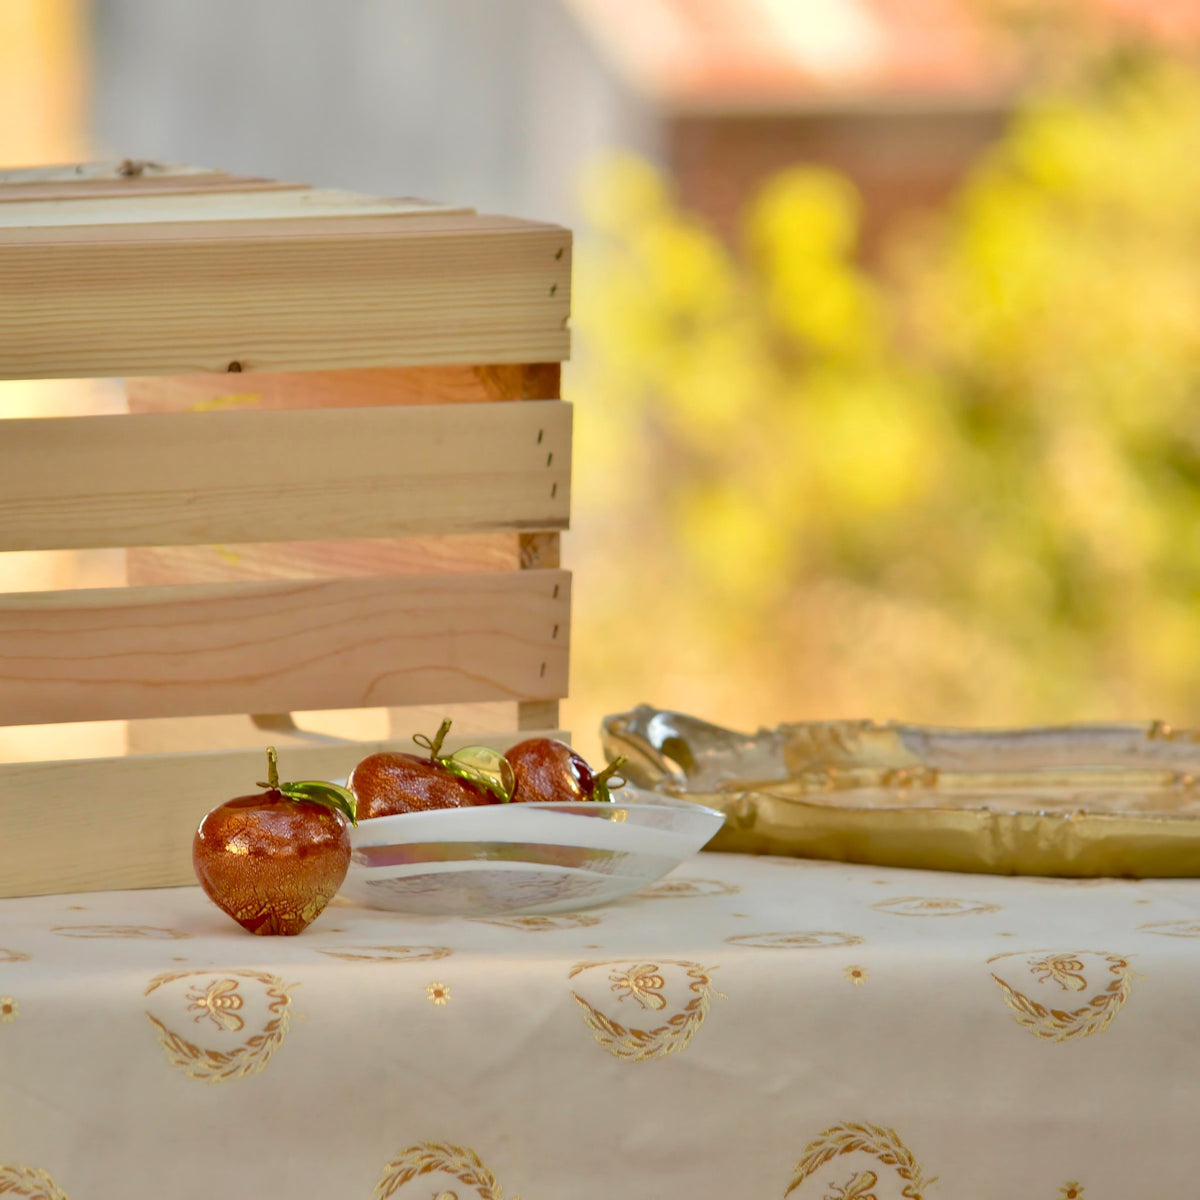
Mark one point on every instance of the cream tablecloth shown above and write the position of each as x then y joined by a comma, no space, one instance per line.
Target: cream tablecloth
746,1028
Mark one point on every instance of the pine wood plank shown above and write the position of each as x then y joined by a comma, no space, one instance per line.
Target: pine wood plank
159,207
92,825
221,477
276,647
537,714
141,185
170,735
285,295
191,564
122,168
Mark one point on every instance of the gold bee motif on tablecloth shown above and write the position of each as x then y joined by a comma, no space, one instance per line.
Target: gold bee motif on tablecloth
859,1187
1039,1007
1064,969
244,1017
218,1002
642,983
679,993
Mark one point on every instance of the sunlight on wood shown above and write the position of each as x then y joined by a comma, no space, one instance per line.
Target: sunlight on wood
43,77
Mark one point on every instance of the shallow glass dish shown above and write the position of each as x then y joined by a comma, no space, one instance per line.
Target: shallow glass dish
523,858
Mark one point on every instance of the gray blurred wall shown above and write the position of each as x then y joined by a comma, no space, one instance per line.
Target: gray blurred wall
493,103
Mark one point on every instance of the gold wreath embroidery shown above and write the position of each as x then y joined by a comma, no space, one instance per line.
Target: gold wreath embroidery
800,940
677,889
1064,1025
219,1066
881,1143
541,924
390,953
429,1158
13,956
1187,928
639,1045
218,1002
934,906
153,932
28,1183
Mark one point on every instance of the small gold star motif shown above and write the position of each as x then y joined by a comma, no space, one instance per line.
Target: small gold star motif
1071,1190
8,1008
856,975
438,993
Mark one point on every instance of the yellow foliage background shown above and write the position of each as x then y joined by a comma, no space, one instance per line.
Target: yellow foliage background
964,487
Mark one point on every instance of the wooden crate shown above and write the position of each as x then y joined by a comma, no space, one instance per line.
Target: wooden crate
326,498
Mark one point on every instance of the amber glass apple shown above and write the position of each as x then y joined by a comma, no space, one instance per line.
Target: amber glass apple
275,859
549,770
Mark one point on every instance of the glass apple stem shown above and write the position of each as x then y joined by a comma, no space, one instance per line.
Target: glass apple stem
272,770
434,746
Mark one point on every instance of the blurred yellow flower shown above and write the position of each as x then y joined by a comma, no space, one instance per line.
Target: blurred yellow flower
963,487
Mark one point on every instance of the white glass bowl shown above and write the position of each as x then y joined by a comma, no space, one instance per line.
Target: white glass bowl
523,858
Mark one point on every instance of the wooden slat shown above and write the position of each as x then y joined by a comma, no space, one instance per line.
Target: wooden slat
171,735
157,566
174,299
344,389
537,714
277,647
141,208
90,171
274,560
98,824
141,185
180,479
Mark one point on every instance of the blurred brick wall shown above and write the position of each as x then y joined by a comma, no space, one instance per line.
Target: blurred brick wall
902,162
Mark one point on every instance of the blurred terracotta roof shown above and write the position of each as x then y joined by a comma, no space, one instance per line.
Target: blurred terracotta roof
730,52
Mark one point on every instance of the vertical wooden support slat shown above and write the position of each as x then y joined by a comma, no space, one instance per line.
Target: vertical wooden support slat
540,551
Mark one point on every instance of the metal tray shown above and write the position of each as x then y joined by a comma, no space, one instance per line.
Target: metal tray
1071,800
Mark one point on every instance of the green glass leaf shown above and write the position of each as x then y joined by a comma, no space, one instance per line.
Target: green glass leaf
340,799
485,767
610,777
